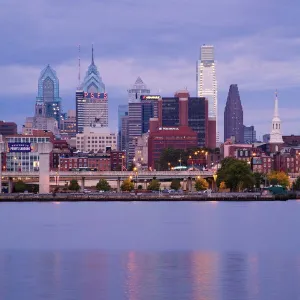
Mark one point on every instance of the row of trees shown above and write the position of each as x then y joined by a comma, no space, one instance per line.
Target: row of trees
128,185
237,175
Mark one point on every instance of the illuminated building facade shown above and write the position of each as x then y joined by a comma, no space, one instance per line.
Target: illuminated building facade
91,99
48,102
206,81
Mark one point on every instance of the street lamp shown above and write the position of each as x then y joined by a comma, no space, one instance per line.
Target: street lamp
169,166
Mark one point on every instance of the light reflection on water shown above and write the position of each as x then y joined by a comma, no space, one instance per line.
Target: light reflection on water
197,251
132,276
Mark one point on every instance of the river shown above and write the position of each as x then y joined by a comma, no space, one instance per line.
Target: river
143,250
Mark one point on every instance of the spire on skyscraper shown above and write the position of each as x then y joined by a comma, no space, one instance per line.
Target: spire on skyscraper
93,54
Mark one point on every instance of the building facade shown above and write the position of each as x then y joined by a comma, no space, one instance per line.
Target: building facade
48,102
206,81
233,116
68,125
26,161
135,114
249,134
96,139
8,128
122,112
91,99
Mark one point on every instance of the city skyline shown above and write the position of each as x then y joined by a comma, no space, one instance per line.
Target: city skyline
163,61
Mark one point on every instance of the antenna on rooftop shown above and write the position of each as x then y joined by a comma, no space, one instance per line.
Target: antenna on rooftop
79,66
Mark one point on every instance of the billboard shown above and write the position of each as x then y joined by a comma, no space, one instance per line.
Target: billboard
19,147
95,95
150,97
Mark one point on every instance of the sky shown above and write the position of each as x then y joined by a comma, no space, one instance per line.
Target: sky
257,46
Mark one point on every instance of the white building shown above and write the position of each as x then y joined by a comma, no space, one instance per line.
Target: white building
207,81
96,138
276,135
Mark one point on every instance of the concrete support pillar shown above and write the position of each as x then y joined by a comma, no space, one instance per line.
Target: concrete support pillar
44,150
82,184
119,185
189,184
184,184
10,185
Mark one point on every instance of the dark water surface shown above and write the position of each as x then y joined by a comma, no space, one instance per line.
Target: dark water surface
198,251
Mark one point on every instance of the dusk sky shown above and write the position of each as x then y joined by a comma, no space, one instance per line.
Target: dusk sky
257,46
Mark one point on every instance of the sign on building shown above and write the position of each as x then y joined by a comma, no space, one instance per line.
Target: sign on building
19,147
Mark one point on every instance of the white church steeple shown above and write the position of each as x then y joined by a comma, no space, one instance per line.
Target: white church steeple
275,135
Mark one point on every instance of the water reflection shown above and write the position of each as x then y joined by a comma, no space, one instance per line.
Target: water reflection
154,275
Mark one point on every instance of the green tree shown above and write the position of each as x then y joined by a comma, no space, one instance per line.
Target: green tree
296,184
103,185
175,184
154,185
280,178
201,184
20,186
259,179
127,185
236,174
74,186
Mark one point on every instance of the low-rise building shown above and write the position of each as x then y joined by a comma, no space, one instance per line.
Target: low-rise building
96,138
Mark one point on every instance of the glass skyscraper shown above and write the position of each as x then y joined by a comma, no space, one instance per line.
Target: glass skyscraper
233,116
48,99
122,112
207,81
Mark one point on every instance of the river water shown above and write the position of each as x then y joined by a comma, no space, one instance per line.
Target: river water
213,250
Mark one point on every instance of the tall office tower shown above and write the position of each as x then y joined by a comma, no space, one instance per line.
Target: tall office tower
249,134
48,102
172,110
135,115
91,99
139,88
122,112
124,134
233,116
276,140
207,83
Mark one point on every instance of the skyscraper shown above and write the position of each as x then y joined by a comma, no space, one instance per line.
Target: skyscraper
207,81
275,136
91,99
48,102
249,134
122,112
233,116
135,114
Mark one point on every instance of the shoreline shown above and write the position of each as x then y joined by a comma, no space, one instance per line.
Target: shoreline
141,198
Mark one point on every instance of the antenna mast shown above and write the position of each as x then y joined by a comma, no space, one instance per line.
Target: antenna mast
79,80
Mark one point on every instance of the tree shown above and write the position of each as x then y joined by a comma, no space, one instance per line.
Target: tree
201,184
127,185
140,187
175,184
280,178
296,184
236,174
103,185
154,185
74,186
20,186
259,179
223,185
